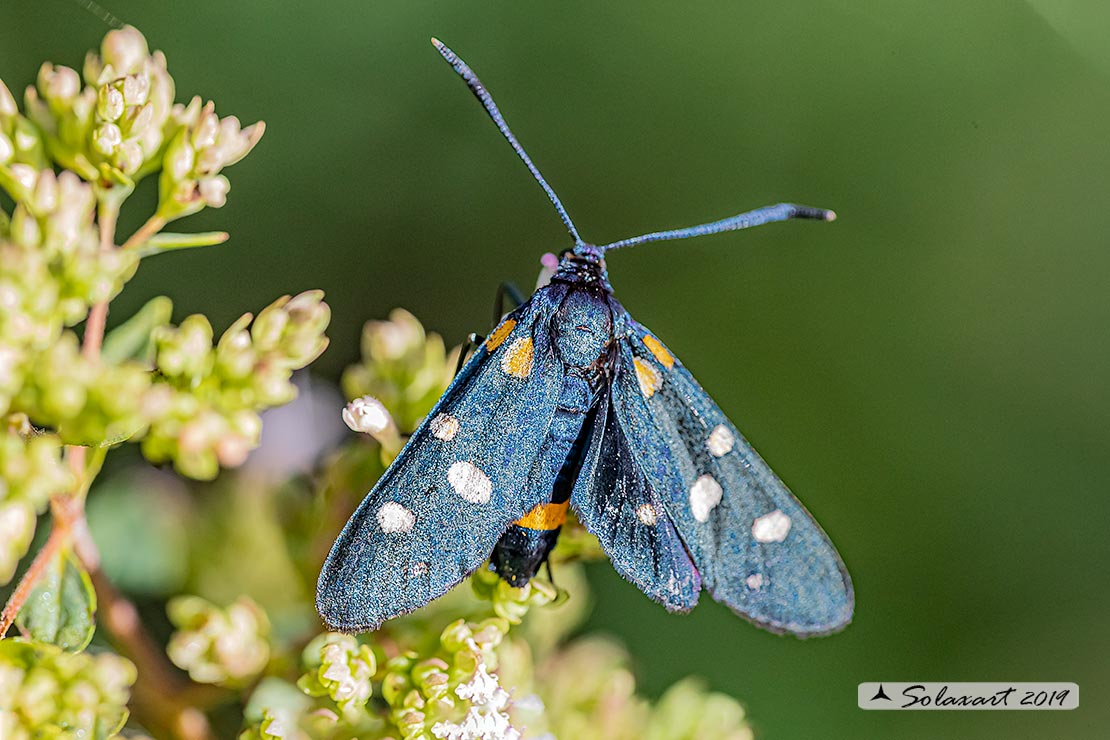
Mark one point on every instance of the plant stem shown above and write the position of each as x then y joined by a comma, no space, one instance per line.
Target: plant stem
68,506
152,226
59,538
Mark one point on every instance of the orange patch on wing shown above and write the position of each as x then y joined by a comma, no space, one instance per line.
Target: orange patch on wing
500,334
659,351
650,378
518,358
544,517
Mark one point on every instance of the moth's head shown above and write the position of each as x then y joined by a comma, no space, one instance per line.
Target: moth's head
587,252
583,263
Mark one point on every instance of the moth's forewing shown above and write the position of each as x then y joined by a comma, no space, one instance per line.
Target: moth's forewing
437,512
755,546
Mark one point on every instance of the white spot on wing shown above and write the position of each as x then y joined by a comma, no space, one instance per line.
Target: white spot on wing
647,514
445,427
470,482
393,517
754,581
720,441
705,494
771,527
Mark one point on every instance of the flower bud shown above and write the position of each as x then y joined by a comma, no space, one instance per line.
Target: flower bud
7,149
60,694
109,103
129,157
45,196
17,528
213,190
106,138
179,159
225,646
58,85
8,107
24,175
186,350
136,89
367,415
343,671
125,50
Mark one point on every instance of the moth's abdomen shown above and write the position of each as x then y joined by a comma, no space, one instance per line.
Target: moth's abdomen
528,541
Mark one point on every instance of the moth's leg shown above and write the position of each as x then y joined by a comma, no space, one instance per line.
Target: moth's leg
473,341
550,575
505,290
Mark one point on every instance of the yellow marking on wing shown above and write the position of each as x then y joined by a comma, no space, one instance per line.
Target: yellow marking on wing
494,340
518,358
650,378
660,352
544,517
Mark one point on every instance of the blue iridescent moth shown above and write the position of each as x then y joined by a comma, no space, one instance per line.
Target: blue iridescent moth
571,402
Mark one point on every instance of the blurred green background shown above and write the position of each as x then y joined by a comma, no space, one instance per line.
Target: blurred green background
929,373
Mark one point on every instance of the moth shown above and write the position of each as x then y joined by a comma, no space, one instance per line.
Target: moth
571,402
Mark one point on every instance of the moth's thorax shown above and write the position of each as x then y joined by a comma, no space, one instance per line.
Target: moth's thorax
584,264
583,326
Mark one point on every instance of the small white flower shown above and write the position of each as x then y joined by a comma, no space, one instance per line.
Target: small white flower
367,415
59,83
480,689
486,719
110,103
107,138
213,190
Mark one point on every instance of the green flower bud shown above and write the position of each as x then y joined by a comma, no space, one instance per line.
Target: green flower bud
204,145
687,712
185,351
107,138
58,86
7,149
125,50
110,103
23,178
430,677
179,159
8,108
225,646
48,693
402,367
235,354
342,670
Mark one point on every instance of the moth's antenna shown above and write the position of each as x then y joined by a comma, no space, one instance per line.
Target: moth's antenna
486,99
758,217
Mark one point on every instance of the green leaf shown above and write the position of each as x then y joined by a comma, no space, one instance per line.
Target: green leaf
131,340
61,608
168,241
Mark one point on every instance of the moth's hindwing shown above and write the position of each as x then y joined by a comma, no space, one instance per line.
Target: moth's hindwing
756,547
621,507
437,512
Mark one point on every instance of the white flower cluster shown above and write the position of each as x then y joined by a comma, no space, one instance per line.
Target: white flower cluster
487,718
